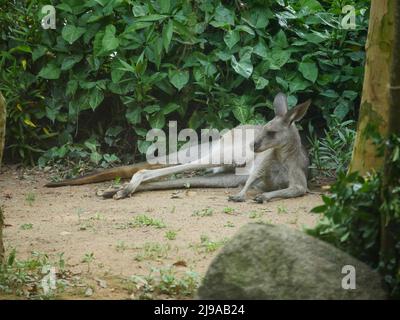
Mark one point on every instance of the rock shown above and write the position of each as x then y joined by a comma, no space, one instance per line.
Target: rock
275,262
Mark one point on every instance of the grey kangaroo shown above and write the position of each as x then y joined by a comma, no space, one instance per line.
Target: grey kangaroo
278,162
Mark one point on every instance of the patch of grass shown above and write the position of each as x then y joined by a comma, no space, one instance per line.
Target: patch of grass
121,246
207,245
30,198
229,210
146,221
26,226
98,216
229,224
282,209
170,235
153,251
117,181
26,278
206,212
255,215
166,282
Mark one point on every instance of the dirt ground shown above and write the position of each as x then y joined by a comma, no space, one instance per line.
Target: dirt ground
101,242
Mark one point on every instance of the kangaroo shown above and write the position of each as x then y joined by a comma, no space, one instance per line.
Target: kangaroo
278,162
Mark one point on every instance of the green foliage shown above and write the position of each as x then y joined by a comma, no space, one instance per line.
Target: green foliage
23,277
145,221
166,281
127,66
352,216
331,153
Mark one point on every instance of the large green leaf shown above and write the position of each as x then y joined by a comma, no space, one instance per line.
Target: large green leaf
223,17
152,18
96,97
165,6
242,113
134,115
178,78
298,84
50,71
244,66
157,120
71,33
260,82
167,34
110,42
70,61
278,58
309,70
231,38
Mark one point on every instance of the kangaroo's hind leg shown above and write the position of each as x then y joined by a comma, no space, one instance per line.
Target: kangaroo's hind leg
221,180
224,180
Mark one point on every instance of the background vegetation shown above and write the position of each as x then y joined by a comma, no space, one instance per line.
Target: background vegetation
113,69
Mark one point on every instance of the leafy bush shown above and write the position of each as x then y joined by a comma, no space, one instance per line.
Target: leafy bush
352,218
331,154
123,67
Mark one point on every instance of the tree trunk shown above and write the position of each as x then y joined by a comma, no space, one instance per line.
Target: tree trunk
391,175
1,237
2,138
374,110
2,125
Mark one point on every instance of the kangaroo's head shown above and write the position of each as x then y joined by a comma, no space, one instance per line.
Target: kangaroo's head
279,131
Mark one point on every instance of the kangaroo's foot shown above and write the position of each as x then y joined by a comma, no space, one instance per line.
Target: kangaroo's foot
260,198
131,186
110,192
237,198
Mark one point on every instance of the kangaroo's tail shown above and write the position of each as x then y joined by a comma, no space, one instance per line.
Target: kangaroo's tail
123,172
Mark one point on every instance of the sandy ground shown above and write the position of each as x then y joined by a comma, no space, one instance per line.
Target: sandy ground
74,221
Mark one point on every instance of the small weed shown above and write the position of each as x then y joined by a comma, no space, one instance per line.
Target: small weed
207,212
121,246
282,209
207,245
153,250
30,198
229,210
255,215
98,216
88,258
146,221
27,226
229,224
170,235
117,181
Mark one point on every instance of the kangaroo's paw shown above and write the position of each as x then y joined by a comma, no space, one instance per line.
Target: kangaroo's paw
260,198
237,198
121,194
108,194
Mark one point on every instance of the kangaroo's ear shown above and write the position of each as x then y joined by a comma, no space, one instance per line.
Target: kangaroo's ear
298,112
280,105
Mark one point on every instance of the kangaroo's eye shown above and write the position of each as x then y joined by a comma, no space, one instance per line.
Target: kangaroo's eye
271,134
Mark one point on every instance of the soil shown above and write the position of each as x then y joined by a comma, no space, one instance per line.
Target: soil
76,222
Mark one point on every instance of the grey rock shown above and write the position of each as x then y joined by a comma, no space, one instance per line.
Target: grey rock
275,262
